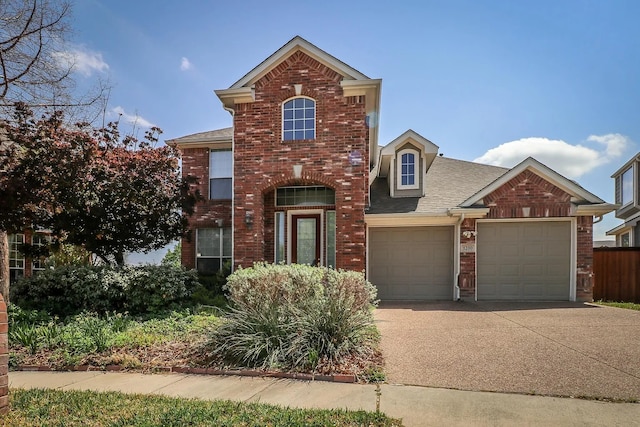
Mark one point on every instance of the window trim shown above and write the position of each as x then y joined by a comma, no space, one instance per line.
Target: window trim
282,119
296,188
222,257
230,177
416,169
629,235
280,230
22,257
622,193
41,261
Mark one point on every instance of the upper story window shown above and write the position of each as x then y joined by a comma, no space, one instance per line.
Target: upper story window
299,119
626,189
220,174
408,168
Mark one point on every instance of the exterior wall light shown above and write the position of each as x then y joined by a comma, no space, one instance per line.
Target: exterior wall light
248,218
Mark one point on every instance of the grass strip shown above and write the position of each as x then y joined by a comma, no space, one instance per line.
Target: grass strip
627,305
46,407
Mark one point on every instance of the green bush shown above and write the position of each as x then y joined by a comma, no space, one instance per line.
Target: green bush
294,316
70,290
210,292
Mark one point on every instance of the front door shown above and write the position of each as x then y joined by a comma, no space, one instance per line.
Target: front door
305,244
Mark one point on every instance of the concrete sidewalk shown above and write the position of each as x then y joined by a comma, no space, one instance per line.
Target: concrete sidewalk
417,406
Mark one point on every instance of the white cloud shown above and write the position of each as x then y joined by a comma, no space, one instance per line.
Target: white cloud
81,60
572,161
132,119
185,64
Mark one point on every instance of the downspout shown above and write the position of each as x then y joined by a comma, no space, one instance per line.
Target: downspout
457,258
233,178
599,218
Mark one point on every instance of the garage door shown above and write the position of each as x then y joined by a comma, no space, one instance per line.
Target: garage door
524,260
412,263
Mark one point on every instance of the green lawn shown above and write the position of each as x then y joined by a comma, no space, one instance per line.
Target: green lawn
39,407
627,305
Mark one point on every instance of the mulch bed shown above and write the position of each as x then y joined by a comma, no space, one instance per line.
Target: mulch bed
190,357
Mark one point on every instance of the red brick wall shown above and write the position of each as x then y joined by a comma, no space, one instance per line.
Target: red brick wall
4,358
263,161
528,190
584,277
467,278
195,162
543,200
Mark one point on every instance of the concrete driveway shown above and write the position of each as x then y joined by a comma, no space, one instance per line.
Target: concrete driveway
561,349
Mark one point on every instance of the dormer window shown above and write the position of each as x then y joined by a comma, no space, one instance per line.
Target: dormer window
299,119
408,168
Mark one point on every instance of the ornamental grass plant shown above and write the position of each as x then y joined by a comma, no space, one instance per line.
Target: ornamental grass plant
295,317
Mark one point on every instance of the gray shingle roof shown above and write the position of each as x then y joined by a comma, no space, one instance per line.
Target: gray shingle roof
208,136
448,183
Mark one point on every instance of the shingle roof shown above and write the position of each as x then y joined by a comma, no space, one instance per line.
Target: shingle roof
448,183
208,136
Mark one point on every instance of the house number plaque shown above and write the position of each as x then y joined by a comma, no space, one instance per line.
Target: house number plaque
466,248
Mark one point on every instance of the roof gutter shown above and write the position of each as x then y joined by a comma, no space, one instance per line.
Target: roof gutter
598,209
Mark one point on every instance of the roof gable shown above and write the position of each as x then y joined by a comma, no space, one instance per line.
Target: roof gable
578,194
294,45
427,146
212,137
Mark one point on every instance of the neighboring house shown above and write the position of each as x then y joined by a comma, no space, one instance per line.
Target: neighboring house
19,265
300,178
627,182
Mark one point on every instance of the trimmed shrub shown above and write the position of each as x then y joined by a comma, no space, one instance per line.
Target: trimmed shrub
70,290
294,316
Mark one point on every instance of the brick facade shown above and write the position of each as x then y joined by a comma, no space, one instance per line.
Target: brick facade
195,162
263,162
4,358
528,195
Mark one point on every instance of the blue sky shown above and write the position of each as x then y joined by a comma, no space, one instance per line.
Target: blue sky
493,81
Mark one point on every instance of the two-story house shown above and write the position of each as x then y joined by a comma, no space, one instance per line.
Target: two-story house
627,184
300,177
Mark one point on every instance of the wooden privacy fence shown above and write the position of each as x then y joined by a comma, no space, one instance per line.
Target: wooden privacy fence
617,274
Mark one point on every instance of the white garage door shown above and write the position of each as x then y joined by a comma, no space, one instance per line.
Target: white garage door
412,263
524,260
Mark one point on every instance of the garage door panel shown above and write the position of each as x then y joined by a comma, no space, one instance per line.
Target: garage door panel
418,262
524,260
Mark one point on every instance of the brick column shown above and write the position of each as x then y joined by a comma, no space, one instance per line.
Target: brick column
4,358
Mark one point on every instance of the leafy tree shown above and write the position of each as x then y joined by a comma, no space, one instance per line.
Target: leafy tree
92,188
37,69
173,256
36,65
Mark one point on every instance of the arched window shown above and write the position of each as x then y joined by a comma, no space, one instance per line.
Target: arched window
299,119
408,168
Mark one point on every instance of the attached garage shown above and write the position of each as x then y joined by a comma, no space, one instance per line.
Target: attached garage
528,260
412,263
